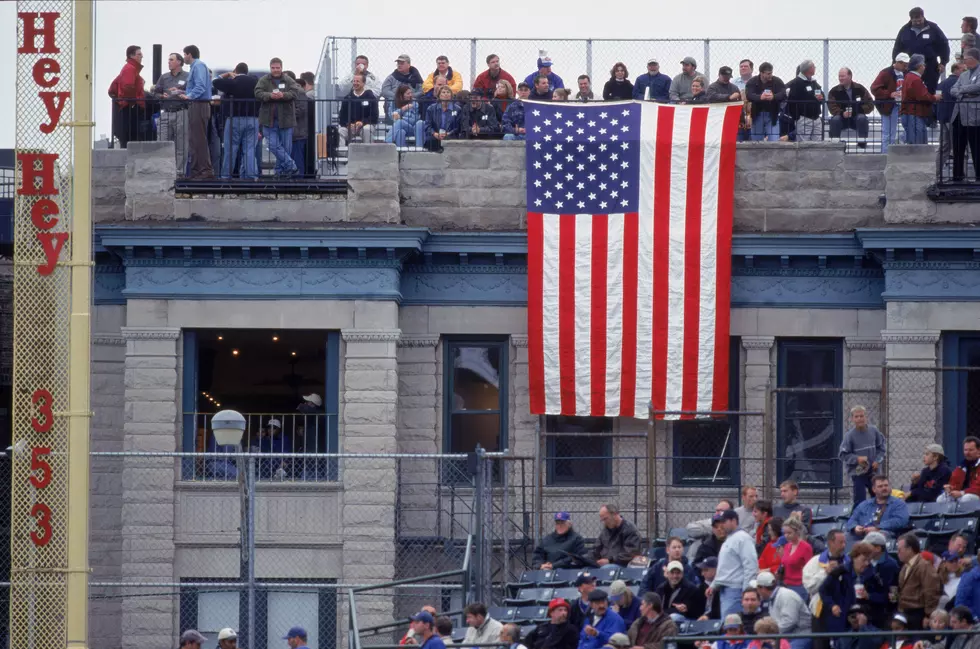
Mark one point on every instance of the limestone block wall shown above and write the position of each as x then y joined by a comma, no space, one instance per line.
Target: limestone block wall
910,171
150,175
109,185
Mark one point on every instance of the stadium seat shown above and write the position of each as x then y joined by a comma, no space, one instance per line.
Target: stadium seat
926,525
965,510
823,528
930,510
531,614
531,578
681,533
703,627
459,635
568,593
530,597
825,513
633,575
656,554
949,526
607,574
502,613
566,576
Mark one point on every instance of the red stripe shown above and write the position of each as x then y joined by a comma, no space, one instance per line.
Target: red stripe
692,260
566,312
723,247
600,253
661,257
631,242
535,311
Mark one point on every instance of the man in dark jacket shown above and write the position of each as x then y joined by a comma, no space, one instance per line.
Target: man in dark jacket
578,609
277,92
619,540
927,484
358,113
765,92
514,115
708,568
557,633
879,578
404,74
723,89
656,575
920,36
849,104
541,91
241,121
653,85
551,552
804,103
711,545
653,625
479,116
680,595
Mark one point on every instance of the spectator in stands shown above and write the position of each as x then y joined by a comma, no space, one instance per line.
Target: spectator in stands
619,85
969,26
541,91
679,594
917,101
584,88
622,601
962,618
770,558
967,41
701,528
502,97
486,82
304,111
272,440
765,92
657,574
560,94
840,589
453,79
514,116
277,115
950,574
927,484
444,627
849,104
173,112
510,635
761,515
423,626
619,640
552,552
900,623
442,120
578,610
241,121
816,570
126,91
804,103
404,74
920,36
405,118
879,580
557,632
478,116
957,545
737,563
752,608
482,628
964,483
544,70
296,638
653,626
191,639
745,69
944,112
430,98
857,621
409,637
883,513
734,630
746,517
198,114
887,91
786,608
680,86
619,541
712,603
601,624
371,82
698,95
968,590
227,638
918,583
711,545
794,556
653,85
966,116
723,89
359,113
789,491
768,626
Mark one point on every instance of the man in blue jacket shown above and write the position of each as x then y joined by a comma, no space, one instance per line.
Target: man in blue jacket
920,36
658,84
544,70
601,624
884,513
968,591
879,578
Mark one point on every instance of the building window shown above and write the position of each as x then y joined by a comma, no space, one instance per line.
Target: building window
579,450
706,450
809,407
285,383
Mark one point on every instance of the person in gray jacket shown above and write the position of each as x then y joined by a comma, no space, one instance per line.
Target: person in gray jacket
680,87
862,452
552,553
619,540
723,89
966,115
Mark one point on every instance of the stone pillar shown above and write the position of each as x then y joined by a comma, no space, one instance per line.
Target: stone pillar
373,181
369,425
911,169
913,403
758,435
109,185
150,425
151,171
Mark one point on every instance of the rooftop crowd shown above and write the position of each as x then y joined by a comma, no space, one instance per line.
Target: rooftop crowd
432,108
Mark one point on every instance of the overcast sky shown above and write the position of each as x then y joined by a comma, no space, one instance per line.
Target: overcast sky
294,30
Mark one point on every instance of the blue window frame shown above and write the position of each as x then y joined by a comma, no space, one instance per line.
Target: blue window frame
961,387
809,422
583,456
706,450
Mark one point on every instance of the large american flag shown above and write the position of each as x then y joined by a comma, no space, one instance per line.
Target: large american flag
629,249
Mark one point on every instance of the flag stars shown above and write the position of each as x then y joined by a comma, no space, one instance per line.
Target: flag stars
581,205
547,156
559,204
580,115
536,112
547,122
537,203
537,146
547,138
625,164
603,204
547,194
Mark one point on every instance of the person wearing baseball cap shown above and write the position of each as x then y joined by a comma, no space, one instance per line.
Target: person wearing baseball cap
601,624
927,484
623,601
553,551
880,579
723,89
654,85
786,607
272,440
738,563
296,638
423,624
191,639
545,70
404,74
887,88
579,609
680,86
557,632
711,545
679,594
227,639
619,641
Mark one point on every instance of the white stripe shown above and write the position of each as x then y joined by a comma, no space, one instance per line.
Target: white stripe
583,314
549,314
644,267
709,257
614,314
675,263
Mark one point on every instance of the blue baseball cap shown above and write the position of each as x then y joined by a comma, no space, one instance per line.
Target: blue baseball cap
423,616
563,516
295,632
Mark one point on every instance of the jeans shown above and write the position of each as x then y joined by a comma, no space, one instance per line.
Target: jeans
280,143
730,600
801,643
889,129
241,133
862,487
512,136
965,498
744,135
763,125
857,122
916,129
400,130
299,155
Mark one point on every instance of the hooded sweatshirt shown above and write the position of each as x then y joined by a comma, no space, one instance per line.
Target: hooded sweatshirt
412,79
552,546
930,483
869,443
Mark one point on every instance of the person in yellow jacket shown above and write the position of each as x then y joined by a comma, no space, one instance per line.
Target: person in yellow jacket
453,79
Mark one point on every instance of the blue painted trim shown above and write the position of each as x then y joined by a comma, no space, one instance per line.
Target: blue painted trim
911,238
121,236
331,399
109,280
483,242
189,398
452,285
932,281
803,245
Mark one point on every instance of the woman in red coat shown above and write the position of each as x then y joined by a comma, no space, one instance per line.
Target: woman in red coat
770,559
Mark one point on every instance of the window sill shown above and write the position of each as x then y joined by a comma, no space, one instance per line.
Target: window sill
611,490
270,486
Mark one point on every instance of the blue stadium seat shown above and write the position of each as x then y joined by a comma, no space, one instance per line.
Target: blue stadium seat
530,597
931,510
950,526
533,614
607,574
568,593
502,613
459,635
531,578
926,525
656,554
823,528
965,510
566,576
703,627
681,533
825,513
633,575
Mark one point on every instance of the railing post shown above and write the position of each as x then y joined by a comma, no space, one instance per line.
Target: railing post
479,487
826,67
652,520
588,57
472,60
707,58
250,538
353,62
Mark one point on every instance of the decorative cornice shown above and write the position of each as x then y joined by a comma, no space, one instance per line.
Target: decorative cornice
496,269
758,342
108,339
910,337
518,340
263,263
418,341
150,333
866,344
371,335
808,272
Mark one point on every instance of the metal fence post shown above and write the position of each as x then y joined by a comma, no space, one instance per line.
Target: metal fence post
588,57
353,62
479,485
536,500
473,59
250,538
826,65
707,57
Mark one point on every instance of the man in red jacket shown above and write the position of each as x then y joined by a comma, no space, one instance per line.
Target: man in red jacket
126,90
917,103
964,485
486,82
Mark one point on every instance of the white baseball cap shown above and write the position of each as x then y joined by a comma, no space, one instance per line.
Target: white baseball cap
227,634
275,422
902,58
314,398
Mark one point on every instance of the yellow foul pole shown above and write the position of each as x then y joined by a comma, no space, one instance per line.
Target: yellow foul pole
80,334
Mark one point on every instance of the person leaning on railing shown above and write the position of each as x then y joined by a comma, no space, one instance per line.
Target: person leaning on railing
126,91
917,101
966,116
805,103
241,121
887,91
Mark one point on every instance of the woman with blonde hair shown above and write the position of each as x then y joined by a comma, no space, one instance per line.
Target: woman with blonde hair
767,626
793,556
503,94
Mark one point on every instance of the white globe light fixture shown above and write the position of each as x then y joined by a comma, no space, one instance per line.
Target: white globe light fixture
228,427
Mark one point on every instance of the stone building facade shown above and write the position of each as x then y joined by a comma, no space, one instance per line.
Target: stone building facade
841,266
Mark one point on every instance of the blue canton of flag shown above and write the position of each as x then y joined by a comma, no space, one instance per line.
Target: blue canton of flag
582,158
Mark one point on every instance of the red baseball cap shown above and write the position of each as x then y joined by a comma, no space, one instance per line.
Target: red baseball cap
558,602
